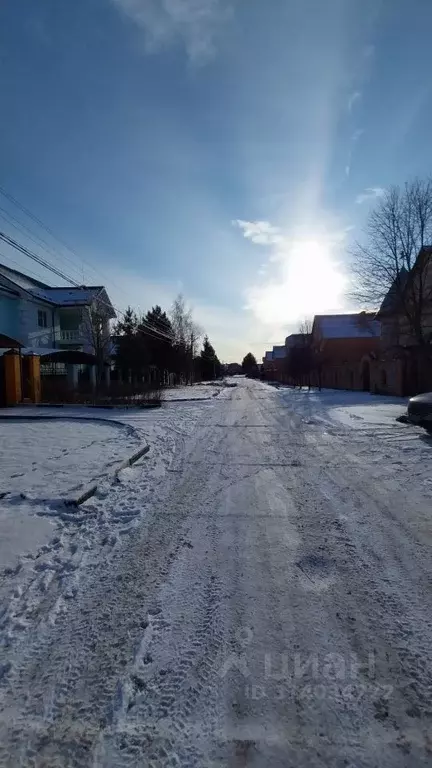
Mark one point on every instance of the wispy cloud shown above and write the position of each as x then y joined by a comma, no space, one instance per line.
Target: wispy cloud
357,134
354,139
371,193
260,232
352,99
193,23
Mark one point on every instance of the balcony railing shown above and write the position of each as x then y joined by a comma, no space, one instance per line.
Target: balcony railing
72,336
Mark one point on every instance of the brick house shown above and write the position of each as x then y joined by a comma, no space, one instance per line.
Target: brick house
344,346
403,365
274,363
267,365
279,362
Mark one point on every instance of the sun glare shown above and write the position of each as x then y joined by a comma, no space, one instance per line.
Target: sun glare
310,283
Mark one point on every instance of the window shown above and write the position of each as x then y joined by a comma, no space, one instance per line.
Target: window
42,318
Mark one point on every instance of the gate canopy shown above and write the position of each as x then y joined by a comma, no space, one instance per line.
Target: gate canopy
6,342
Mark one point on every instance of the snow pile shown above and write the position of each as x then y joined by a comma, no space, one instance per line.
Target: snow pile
194,392
353,409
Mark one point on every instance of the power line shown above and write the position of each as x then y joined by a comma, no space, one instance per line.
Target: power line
161,330
17,264
151,330
41,244
47,229
26,251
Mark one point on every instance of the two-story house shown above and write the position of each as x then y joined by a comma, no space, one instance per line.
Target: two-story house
43,317
64,325
404,363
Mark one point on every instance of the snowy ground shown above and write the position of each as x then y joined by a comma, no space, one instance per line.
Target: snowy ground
43,462
47,459
254,592
194,392
354,409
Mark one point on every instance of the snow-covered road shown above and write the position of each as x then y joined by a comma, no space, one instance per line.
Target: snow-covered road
272,608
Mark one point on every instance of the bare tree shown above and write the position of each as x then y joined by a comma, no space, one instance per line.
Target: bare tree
187,334
390,262
305,330
96,330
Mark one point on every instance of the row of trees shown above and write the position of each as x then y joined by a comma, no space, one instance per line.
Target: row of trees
158,344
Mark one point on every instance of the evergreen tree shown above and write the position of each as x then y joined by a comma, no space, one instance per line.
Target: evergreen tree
249,365
126,331
159,319
159,348
210,367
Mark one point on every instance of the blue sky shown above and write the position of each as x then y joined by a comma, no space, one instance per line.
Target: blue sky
227,148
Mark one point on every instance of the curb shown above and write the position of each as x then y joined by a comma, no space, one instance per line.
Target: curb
92,488
87,494
131,460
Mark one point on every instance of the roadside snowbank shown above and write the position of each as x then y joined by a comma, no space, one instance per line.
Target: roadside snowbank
195,392
353,409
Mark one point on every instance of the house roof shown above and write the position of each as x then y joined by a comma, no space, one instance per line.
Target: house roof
268,356
6,342
61,296
68,296
360,325
20,279
279,352
295,340
392,298
8,291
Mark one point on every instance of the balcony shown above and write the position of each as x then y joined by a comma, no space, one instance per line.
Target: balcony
71,337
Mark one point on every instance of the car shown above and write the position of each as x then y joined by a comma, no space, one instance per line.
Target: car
420,410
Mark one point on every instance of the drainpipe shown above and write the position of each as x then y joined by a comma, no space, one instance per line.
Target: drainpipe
53,327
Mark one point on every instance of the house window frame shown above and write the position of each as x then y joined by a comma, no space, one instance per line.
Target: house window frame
42,318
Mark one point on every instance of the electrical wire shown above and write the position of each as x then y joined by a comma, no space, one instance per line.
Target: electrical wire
46,247
28,233
144,326
47,229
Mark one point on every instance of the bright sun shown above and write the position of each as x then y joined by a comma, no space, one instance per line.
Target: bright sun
309,283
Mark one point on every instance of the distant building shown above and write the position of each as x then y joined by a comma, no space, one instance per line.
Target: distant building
233,369
279,362
343,346
294,340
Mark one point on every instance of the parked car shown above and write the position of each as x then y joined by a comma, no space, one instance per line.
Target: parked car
420,410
